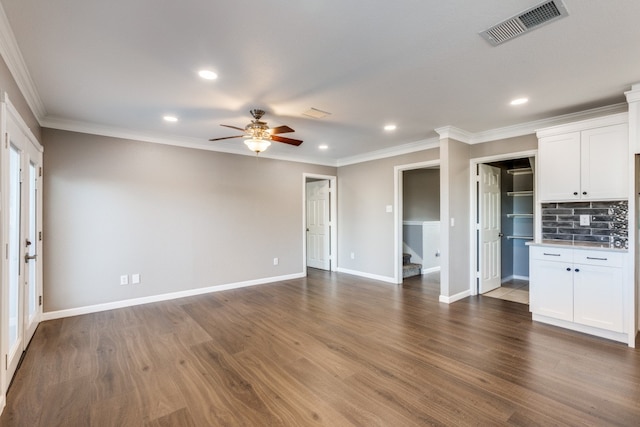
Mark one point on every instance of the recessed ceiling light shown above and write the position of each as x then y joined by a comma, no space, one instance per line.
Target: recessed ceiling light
390,127
323,146
519,101
207,74
171,119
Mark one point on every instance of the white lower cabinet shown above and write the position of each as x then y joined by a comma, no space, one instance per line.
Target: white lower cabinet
597,297
584,287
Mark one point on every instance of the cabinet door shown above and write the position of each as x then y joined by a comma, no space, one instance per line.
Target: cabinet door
559,167
598,297
551,289
605,163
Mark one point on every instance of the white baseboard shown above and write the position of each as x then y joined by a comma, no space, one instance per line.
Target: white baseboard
430,270
3,402
514,277
50,315
367,275
454,298
615,336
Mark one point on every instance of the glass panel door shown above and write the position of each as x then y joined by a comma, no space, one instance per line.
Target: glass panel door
20,238
31,253
15,271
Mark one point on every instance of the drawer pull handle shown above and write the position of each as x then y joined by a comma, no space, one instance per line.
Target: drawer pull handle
544,253
597,259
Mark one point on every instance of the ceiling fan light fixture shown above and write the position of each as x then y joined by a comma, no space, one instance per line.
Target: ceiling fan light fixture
257,145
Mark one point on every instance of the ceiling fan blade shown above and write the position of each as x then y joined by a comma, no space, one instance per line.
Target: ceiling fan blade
281,129
233,127
226,137
291,141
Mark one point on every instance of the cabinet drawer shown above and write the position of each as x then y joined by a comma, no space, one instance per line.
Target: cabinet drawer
602,258
551,253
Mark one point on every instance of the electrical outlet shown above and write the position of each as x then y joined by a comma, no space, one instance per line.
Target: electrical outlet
135,278
353,255
275,261
124,280
585,220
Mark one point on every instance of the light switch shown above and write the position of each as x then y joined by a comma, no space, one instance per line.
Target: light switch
389,208
585,220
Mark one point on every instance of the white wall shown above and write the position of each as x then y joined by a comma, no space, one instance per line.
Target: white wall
181,218
366,229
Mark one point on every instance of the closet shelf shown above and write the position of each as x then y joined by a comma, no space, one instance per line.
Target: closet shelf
520,237
520,193
520,215
520,171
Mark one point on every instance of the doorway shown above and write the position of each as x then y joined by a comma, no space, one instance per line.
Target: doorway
417,220
21,278
503,207
319,214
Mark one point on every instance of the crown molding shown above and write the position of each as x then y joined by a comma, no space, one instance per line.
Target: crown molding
634,94
452,132
530,128
612,119
178,141
12,56
411,147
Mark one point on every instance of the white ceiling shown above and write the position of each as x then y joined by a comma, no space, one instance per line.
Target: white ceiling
120,65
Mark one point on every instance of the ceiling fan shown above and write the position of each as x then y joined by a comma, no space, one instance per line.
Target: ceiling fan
259,135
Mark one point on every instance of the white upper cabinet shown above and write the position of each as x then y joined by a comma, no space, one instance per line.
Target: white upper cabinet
585,161
559,167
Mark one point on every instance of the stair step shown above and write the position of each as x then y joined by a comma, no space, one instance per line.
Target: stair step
406,259
410,270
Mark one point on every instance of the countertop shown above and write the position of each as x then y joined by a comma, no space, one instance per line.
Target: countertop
578,245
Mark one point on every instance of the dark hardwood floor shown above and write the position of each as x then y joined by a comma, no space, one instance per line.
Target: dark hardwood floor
332,350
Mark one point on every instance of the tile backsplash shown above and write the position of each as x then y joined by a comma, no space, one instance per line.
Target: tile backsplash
608,222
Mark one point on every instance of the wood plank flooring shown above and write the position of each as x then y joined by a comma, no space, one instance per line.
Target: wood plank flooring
330,349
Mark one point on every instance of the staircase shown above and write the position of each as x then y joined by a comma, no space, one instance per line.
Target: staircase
408,268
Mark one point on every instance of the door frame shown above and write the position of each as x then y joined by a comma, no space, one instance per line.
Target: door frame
473,203
8,110
398,210
333,223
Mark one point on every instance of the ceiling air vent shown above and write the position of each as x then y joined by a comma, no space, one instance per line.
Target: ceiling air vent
525,21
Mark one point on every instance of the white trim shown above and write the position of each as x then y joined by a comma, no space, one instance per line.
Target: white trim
454,298
473,267
614,119
21,123
10,51
173,140
430,270
514,277
452,132
615,336
529,128
398,209
367,275
411,147
333,201
51,315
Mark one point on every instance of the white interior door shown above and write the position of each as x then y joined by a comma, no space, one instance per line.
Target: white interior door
318,224
22,216
489,228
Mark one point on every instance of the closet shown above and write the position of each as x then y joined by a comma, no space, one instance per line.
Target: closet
516,211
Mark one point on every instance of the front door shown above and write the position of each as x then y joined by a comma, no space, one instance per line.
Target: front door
23,243
489,228
318,228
